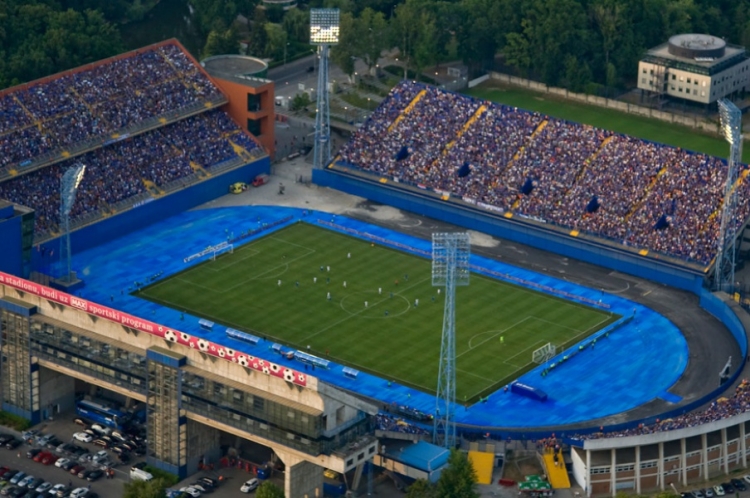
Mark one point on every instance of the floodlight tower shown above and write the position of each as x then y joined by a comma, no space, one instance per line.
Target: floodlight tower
68,188
324,32
731,128
450,269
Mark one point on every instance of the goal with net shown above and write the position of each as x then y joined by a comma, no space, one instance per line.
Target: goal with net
544,354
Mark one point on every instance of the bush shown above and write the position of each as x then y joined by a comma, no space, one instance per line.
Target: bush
14,421
169,479
300,101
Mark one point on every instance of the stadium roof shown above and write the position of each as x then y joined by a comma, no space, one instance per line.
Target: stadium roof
421,455
241,69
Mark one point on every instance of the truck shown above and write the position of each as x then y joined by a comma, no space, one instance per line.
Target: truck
261,179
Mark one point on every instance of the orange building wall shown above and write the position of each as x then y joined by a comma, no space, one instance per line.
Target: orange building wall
237,109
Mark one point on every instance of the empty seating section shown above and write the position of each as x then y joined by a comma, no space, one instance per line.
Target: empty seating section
117,172
92,104
637,193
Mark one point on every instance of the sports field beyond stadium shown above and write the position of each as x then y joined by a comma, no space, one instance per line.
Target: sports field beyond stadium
383,314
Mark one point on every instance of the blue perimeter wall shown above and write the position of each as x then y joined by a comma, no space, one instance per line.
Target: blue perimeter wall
10,243
146,214
428,204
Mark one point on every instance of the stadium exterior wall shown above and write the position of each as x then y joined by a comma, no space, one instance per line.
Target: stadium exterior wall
156,210
514,230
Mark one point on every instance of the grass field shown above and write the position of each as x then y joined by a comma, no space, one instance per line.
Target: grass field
268,287
621,122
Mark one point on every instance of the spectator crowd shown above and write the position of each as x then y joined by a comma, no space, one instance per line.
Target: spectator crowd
92,103
117,171
720,409
634,192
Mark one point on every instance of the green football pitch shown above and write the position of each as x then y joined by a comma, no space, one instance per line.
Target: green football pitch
383,316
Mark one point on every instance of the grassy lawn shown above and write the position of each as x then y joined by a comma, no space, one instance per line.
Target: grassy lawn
637,126
275,287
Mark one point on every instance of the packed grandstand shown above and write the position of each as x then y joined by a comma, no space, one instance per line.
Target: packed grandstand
96,108
637,193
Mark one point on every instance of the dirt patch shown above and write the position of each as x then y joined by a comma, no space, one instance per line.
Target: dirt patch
518,469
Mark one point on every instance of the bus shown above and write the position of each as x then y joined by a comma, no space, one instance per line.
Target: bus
102,414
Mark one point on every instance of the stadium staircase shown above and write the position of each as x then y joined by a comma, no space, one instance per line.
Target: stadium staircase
199,170
717,211
240,150
556,474
473,119
637,205
590,160
152,187
407,110
520,150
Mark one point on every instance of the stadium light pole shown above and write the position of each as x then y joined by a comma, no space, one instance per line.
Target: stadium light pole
731,129
71,180
324,32
450,269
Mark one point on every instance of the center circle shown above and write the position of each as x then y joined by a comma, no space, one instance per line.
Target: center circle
377,304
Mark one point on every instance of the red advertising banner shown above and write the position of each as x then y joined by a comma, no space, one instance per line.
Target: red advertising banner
152,328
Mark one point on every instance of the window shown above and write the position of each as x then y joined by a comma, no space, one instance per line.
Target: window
695,92
643,80
253,102
652,72
644,70
674,77
688,80
679,89
672,87
253,126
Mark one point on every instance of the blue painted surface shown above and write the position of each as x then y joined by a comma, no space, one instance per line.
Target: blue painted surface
10,243
626,367
670,398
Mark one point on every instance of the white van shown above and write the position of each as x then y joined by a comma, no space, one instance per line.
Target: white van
140,475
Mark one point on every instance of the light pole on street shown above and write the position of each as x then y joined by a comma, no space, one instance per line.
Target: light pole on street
285,48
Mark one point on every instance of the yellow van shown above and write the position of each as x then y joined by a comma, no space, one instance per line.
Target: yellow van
237,188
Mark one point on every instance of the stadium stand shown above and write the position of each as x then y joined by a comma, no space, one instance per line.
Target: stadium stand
630,191
46,120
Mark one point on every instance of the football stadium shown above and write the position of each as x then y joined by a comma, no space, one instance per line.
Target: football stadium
307,325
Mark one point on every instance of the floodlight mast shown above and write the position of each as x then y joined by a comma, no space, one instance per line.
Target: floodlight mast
731,129
324,32
71,180
450,269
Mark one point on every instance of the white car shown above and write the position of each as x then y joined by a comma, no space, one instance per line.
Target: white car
79,493
57,487
61,461
99,456
100,429
719,490
44,487
249,485
746,478
83,437
191,491
24,483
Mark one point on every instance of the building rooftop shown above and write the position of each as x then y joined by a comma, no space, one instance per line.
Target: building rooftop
241,69
702,54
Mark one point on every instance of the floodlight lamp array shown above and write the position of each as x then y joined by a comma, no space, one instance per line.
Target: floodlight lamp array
324,26
731,121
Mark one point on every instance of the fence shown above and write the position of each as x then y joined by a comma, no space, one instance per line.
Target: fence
697,123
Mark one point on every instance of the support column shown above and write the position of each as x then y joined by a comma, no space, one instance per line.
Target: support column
743,446
302,479
683,460
704,455
588,472
661,466
18,374
724,450
613,473
638,470
166,422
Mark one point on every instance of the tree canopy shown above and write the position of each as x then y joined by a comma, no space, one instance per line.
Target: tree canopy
155,488
269,490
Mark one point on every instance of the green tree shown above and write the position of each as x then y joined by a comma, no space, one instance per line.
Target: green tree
300,101
458,479
269,490
297,25
421,488
426,49
221,42
406,30
155,488
343,54
258,34
518,52
373,30
277,41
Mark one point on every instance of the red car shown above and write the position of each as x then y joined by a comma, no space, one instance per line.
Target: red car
50,459
40,456
78,468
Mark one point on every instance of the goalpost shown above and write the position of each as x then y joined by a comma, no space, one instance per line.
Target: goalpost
220,249
544,354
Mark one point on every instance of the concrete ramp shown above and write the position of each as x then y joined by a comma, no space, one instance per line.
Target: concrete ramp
556,474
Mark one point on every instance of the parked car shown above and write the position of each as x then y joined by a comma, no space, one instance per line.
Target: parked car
35,483
43,487
9,474
94,475
100,443
18,477
202,487
13,444
39,455
54,489
698,493
728,488
33,452
18,492
68,466
208,481
4,438
43,440
79,493
6,490
100,455
49,459
249,485
76,469
738,485
191,491
104,431
82,422
719,490
24,483
62,461
83,437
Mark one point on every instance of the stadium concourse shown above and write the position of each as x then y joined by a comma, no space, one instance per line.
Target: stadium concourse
645,356
98,111
519,163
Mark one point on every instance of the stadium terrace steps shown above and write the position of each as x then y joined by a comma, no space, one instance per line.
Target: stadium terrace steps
482,109
518,154
717,211
199,169
240,150
407,110
557,475
25,109
590,160
152,187
637,205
